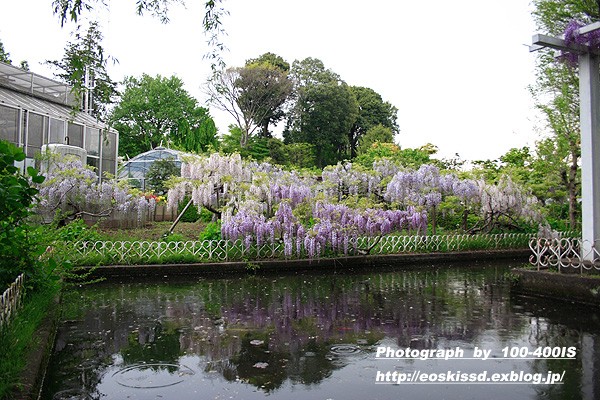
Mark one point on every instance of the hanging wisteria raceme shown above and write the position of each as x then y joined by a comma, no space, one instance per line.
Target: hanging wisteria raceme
506,200
572,36
412,187
275,187
466,190
72,188
212,181
337,227
350,179
385,168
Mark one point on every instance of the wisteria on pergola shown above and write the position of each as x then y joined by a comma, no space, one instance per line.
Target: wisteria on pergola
583,42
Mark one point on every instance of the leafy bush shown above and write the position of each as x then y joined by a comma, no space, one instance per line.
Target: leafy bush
17,247
212,231
78,230
174,237
191,214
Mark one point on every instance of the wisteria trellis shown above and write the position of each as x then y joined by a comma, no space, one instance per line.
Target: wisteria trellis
261,203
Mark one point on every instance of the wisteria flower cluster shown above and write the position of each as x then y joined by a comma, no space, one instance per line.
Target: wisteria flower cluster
337,228
572,36
73,188
263,204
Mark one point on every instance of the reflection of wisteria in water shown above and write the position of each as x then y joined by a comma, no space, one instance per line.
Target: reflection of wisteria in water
266,331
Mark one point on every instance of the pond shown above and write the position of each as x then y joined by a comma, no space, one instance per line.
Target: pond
429,333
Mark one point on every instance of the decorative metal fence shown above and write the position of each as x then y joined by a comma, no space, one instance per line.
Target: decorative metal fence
145,252
565,253
11,301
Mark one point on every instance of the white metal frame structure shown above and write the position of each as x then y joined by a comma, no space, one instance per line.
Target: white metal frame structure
589,114
36,111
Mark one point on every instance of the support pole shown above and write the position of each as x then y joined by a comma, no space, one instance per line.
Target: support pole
589,93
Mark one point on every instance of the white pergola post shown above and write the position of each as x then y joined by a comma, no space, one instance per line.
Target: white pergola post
589,114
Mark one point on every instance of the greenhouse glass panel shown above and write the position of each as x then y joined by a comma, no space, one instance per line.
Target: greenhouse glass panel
75,135
9,122
92,141
57,131
36,133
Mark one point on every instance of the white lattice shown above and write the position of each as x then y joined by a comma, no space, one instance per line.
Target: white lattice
564,253
137,252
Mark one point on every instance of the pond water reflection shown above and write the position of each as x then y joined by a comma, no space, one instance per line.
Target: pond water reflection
315,337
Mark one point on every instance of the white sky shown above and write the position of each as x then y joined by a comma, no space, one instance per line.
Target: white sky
456,70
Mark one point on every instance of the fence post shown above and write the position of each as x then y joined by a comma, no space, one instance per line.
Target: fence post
11,301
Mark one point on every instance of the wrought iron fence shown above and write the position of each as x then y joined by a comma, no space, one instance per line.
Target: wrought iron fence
144,252
565,253
11,301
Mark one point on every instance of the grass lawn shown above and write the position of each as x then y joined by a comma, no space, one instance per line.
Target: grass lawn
154,231
19,338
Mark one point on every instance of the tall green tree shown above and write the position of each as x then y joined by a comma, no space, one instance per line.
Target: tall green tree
266,77
83,66
155,110
323,113
373,111
557,94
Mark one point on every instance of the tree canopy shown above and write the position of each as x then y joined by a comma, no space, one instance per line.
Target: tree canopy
373,111
323,113
155,110
83,66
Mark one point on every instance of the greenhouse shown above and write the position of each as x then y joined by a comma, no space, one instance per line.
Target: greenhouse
135,169
38,112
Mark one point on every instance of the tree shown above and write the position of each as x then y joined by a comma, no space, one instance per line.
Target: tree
323,113
252,95
83,66
375,134
197,134
557,94
373,111
159,172
153,110
266,77
224,94
553,16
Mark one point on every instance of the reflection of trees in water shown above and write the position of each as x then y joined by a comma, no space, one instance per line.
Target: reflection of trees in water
559,324
298,318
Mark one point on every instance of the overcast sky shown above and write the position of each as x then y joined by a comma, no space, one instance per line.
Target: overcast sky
457,71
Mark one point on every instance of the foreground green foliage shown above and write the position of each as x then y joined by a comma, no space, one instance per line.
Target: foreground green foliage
18,247
17,340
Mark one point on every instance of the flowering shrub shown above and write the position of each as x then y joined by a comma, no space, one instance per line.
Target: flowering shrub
71,190
262,204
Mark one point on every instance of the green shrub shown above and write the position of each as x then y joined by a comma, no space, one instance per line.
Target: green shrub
18,249
191,214
212,231
76,231
174,237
